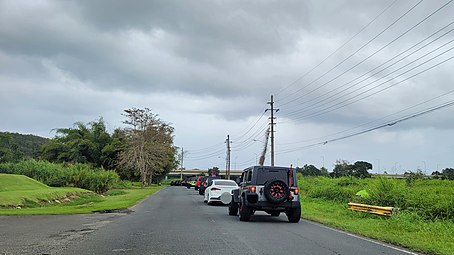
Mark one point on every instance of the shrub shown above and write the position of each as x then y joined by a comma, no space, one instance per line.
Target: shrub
386,192
429,199
342,189
59,175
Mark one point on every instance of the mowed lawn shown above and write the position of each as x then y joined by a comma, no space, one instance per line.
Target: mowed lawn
19,190
20,195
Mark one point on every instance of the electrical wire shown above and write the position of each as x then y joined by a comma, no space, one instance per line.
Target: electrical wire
335,51
373,74
355,52
389,124
283,145
347,103
368,57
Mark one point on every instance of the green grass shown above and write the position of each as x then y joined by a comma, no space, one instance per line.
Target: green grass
20,191
85,202
405,229
411,228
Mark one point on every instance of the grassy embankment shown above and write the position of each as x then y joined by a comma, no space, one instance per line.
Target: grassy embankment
425,222
21,195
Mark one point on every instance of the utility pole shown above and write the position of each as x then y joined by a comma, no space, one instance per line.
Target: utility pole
181,166
227,164
272,118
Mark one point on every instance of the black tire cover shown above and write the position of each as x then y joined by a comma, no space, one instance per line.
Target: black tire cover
271,188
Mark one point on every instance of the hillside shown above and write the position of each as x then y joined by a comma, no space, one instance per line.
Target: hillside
13,182
28,145
20,190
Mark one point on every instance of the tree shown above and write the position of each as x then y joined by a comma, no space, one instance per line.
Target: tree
213,171
310,170
360,169
83,143
341,168
448,173
436,174
9,150
27,145
149,145
324,171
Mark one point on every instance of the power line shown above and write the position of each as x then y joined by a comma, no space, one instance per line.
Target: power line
373,54
354,53
339,48
389,124
341,105
246,143
209,149
315,106
371,122
374,74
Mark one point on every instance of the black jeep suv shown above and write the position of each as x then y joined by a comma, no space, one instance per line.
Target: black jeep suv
266,188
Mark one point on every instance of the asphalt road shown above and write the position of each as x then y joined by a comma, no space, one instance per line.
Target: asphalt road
176,221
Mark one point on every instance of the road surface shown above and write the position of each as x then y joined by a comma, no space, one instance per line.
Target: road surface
176,221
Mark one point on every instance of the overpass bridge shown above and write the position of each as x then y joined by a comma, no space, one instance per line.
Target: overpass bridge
195,172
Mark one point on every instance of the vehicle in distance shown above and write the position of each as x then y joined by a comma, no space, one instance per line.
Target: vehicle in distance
270,189
198,182
206,182
191,182
216,190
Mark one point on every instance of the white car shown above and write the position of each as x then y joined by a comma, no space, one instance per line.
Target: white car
214,193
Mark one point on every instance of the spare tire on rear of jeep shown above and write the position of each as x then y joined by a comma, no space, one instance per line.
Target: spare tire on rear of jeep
276,191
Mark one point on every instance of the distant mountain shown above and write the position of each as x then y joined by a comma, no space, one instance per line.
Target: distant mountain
30,145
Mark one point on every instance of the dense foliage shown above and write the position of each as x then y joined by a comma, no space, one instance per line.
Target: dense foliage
142,151
428,198
60,175
15,147
448,173
358,169
83,143
311,170
342,168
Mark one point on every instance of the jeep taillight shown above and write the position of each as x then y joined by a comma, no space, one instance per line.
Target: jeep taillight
296,191
252,188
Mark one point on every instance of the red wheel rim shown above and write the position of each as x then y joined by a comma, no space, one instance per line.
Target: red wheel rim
277,191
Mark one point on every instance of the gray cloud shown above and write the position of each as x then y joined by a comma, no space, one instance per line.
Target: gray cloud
218,61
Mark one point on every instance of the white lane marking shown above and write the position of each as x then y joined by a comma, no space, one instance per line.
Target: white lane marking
362,238
121,250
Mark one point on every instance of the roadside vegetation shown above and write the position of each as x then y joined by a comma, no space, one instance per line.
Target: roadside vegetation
85,168
143,150
60,175
424,223
21,195
18,191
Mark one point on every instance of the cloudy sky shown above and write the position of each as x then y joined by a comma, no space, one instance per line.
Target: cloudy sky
336,69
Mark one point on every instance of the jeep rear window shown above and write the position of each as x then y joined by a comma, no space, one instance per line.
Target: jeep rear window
264,175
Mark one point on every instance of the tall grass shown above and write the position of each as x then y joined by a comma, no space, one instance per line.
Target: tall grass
430,199
59,175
